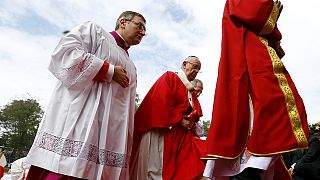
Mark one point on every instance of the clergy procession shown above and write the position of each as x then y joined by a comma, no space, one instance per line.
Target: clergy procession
92,130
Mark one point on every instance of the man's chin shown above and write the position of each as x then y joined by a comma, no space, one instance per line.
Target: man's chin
138,41
191,78
135,42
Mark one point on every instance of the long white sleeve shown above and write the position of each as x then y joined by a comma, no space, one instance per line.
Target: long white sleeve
73,61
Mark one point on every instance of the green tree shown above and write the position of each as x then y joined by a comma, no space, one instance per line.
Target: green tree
312,127
19,121
206,126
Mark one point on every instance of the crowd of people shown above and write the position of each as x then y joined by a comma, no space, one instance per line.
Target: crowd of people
91,130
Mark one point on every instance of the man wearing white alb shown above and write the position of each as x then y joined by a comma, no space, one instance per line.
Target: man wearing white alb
87,130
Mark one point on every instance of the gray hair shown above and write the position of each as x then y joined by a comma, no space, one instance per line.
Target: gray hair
187,59
191,57
195,81
128,15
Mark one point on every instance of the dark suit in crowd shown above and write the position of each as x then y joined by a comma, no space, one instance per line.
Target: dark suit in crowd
308,167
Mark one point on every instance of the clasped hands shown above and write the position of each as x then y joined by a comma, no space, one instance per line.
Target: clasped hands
189,122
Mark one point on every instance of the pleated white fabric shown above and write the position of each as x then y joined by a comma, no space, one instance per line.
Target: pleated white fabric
88,126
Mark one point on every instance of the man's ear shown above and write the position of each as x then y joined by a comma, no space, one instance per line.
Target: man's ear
122,22
184,63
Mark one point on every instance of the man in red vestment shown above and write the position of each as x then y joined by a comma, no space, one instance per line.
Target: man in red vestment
250,66
166,145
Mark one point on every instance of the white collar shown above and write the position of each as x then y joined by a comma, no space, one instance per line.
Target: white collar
185,80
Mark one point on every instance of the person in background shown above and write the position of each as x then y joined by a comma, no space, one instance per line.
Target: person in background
87,130
19,169
308,167
198,87
166,145
3,163
251,67
292,157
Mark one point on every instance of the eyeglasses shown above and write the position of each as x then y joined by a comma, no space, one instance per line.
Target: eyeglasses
194,66
139,25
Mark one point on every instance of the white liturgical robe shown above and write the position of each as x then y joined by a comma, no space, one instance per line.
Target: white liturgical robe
87,129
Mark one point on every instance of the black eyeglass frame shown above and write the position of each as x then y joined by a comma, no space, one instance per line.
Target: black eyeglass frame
194,66
139,25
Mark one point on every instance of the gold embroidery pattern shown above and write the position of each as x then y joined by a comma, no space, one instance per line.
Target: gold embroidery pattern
289,98
271,22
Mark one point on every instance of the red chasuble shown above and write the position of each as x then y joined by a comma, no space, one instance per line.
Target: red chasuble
164,106
249,66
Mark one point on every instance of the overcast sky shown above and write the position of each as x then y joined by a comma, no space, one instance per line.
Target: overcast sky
30,30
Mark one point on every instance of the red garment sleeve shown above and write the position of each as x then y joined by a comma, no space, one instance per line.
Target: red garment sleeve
102,74
259,15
